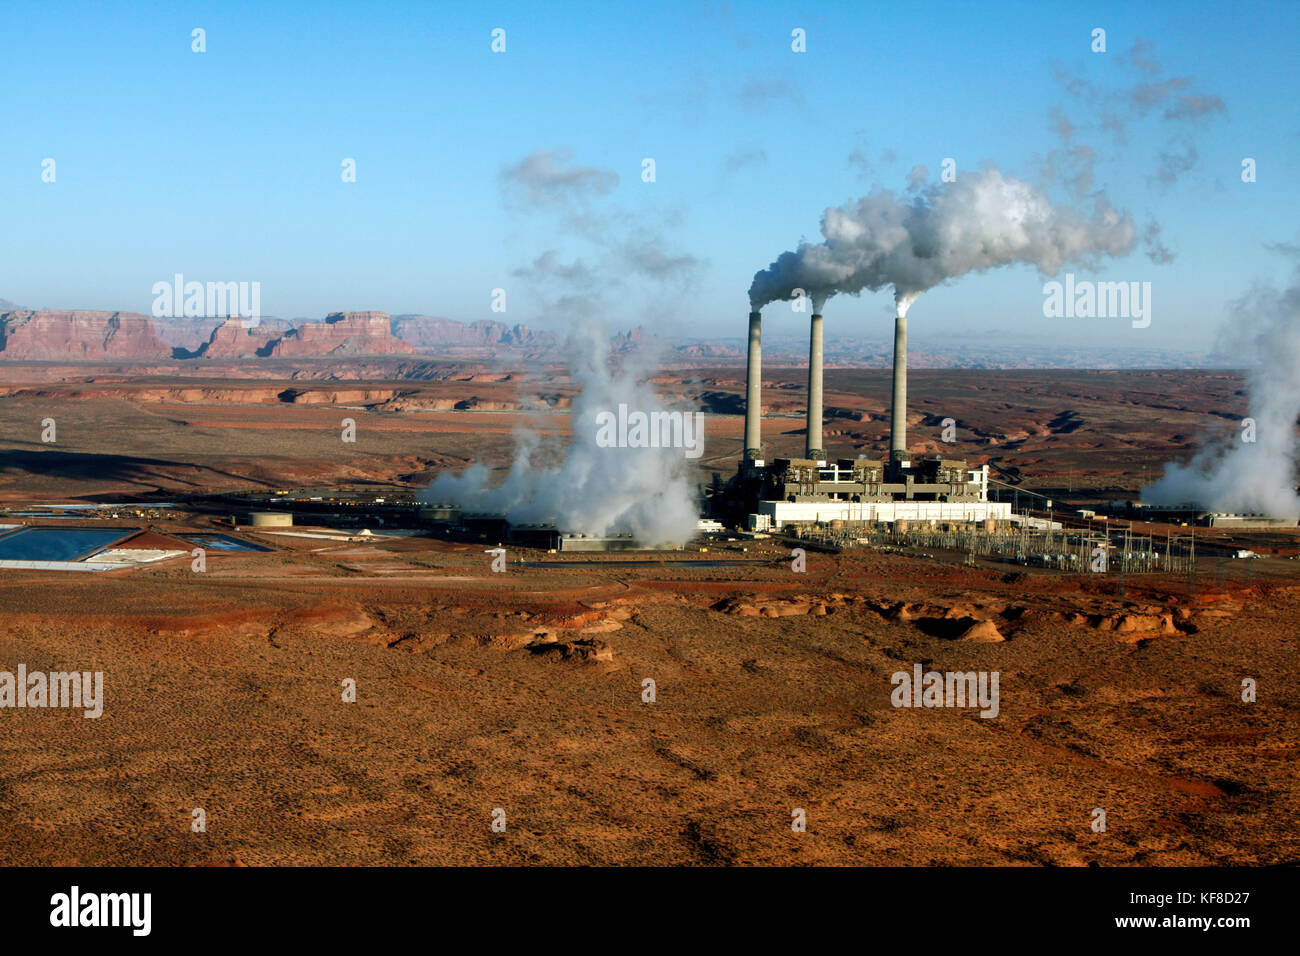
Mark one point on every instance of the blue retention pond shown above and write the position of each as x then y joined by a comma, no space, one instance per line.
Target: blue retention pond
57,544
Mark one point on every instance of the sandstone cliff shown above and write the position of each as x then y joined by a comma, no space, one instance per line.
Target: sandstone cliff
87,336
342,334
76,335
431,332
231,339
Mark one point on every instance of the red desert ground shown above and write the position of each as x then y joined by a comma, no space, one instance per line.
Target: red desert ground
648,707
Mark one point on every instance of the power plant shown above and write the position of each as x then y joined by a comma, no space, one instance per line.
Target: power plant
815,489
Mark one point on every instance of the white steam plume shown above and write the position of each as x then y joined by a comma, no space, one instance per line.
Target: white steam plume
593,490
981,221
1260,476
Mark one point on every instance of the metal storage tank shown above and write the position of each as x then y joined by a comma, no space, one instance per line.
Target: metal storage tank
270,519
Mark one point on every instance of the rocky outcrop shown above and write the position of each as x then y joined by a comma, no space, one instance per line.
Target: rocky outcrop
583,650
190,336
39,336
982,632
233,339
430,333
87,336
1132,628
774,607
341,334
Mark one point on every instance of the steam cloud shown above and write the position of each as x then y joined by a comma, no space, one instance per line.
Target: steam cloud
981,221
593,490
1239,476
625,250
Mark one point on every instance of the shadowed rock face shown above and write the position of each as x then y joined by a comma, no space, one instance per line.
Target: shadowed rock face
232,339
342,333
45,335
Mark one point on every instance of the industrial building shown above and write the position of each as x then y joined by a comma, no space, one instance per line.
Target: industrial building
1194,513
815,489
544,536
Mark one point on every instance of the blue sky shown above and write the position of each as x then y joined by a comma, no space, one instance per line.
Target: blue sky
225,165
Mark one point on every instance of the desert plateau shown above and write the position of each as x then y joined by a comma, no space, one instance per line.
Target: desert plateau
523,690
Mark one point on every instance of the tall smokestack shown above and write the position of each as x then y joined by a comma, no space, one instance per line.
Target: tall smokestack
898,419
754,389
813,447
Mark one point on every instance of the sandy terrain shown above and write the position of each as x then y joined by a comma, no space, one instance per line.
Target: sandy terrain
1084,434
523,690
